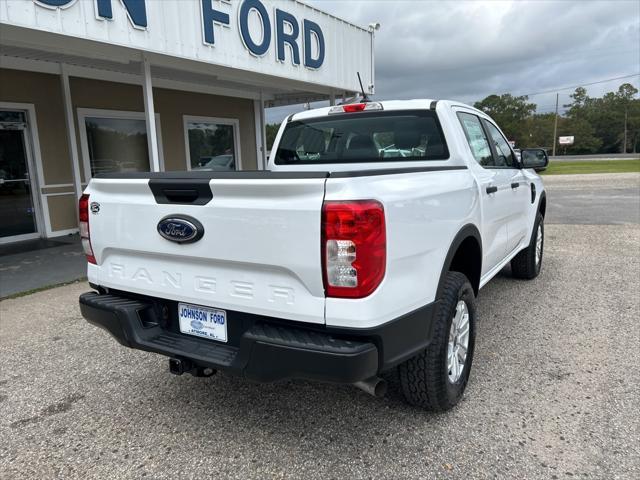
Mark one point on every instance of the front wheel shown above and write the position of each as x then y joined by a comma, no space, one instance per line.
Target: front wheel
436,378
528,262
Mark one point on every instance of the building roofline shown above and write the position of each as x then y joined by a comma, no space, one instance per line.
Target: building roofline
324,12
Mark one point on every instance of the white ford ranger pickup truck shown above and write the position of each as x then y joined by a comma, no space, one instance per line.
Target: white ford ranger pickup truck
359,252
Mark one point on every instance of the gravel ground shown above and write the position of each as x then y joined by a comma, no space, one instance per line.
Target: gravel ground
554,393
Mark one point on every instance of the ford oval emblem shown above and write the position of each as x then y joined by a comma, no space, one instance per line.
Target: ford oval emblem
196,324
180,229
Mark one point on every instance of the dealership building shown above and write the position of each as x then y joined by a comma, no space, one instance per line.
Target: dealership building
93,86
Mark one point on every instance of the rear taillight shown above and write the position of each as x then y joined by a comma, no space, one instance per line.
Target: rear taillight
85,235
354,247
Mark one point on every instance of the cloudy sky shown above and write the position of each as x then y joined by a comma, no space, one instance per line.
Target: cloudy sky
466,50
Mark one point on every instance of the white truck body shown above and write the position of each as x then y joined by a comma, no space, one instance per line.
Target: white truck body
261,251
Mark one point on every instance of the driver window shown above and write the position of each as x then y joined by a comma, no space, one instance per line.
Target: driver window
504,156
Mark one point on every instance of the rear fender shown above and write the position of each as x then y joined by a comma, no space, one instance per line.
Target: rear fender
465,232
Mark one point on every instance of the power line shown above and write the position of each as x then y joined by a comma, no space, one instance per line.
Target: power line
555,90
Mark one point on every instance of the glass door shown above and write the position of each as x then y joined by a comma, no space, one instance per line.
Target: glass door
17,207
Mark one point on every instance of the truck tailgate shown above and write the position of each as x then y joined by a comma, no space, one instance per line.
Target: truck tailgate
260,252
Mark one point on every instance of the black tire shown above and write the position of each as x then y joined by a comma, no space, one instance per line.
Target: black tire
424,379
524,264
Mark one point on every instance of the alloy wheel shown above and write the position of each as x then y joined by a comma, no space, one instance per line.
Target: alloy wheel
458,342
539,245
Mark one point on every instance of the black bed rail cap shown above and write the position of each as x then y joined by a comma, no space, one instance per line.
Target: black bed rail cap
211,175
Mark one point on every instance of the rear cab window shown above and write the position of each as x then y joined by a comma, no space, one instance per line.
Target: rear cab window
477,139
381,136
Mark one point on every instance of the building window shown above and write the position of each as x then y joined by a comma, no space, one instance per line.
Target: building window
115,141
212,143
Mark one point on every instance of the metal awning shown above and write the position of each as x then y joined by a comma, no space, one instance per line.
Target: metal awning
88,58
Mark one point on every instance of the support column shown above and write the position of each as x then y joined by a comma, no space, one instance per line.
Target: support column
332,98
150,115
257,117
71,130
261,133
263,121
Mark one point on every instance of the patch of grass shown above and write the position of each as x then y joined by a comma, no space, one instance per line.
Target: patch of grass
41,289
597,166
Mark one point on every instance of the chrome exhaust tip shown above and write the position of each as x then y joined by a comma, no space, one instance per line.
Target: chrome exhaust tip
375,386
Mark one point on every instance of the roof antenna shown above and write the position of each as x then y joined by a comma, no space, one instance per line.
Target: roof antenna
365,98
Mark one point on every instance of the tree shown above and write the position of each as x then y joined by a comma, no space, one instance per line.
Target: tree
539,131
580,100
606,118
585,142
626,94
510,113
633,126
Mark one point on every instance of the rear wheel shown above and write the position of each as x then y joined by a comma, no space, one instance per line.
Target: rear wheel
528,262
436,378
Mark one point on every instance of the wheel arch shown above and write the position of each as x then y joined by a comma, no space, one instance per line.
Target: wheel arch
464,256
542,204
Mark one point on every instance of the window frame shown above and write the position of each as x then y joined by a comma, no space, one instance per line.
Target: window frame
83,113
446,156
234,122
494,152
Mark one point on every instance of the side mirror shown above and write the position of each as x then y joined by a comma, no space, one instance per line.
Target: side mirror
535,158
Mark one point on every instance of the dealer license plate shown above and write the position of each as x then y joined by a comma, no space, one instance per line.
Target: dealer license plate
203,321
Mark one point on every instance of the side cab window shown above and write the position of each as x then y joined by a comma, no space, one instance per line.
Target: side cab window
503,154
477,139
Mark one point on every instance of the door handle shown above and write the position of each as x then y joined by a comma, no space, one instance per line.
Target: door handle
491,190
515,185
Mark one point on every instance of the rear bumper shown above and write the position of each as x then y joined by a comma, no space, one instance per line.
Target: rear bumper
262,348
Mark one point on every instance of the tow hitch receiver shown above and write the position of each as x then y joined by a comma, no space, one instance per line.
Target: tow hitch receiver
178,366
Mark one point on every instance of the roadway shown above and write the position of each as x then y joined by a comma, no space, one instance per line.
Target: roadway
593,199
597,157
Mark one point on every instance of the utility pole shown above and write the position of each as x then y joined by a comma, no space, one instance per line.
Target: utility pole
555,128
624,145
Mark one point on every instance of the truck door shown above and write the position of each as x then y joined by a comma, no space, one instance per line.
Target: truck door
494,189
517,193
